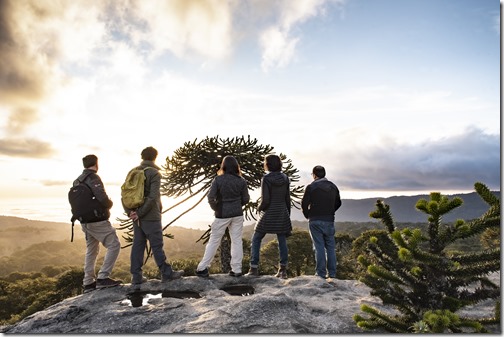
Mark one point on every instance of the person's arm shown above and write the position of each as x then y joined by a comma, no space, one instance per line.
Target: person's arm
288,198
337,200
305,202
265,196
212,195
245,197
95,183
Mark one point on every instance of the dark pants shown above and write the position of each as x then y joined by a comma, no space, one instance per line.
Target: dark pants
152,231
322,234
256,245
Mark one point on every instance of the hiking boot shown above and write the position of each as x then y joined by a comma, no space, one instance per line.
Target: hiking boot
173,276
253,271
144,279
282,272
137,286
202,273
89,287
232,273
107,283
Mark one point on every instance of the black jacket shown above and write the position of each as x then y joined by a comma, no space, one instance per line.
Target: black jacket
275,206
321,200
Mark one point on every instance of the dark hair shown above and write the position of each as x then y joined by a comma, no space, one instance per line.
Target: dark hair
319,171
272,163
229,165
149,153
89,160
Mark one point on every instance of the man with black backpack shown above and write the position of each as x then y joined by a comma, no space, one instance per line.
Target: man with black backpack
91,206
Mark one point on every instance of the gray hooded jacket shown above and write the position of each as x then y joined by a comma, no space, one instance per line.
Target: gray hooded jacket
227,195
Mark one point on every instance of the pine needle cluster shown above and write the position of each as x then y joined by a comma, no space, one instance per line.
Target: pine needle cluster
425,282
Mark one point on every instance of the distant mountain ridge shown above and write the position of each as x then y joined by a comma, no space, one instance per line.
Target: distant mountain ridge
403,208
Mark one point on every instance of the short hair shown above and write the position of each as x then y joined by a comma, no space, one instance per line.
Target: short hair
229,165
89,160
273,163
319,171
149,153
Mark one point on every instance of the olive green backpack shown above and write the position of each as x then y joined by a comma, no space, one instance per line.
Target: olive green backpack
132,190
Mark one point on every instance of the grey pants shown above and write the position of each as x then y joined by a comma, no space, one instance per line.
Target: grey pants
99,232
152,231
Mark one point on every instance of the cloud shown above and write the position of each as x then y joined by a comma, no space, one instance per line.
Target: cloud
30,148
37,40
50,183
454,162
20,119
183,27
277,43
22,71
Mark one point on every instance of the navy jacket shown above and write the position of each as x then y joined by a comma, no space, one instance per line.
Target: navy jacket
321,200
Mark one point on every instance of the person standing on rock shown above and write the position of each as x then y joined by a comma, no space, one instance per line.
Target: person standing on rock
97,229
227,196
320,201
275,208
147,224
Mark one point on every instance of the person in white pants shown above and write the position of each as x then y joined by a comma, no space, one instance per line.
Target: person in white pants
227,196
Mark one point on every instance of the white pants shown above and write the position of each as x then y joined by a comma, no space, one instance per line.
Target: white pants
217,231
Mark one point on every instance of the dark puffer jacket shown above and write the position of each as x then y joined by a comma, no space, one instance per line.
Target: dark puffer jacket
227,194
275,206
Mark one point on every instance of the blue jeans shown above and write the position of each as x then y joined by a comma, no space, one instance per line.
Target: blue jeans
322,234
152,231
256,245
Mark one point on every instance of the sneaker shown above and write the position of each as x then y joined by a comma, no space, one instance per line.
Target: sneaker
89,287
173,276
232,273
107,283
202,273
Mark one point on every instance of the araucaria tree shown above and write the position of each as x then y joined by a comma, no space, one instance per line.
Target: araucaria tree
422,279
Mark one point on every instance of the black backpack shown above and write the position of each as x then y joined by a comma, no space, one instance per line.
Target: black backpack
85,207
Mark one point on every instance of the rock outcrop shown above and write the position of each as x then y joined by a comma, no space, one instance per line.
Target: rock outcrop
219,304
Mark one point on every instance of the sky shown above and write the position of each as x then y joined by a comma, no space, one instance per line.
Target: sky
392,97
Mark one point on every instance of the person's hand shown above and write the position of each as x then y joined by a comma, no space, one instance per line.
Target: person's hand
133,216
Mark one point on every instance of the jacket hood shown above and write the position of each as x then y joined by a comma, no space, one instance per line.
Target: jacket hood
277,178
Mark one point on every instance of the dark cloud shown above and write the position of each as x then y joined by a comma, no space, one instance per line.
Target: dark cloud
451,163
30,148
20,119
22,75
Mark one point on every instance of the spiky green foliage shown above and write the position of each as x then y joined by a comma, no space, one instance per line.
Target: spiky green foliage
192,168
189,172
424,281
